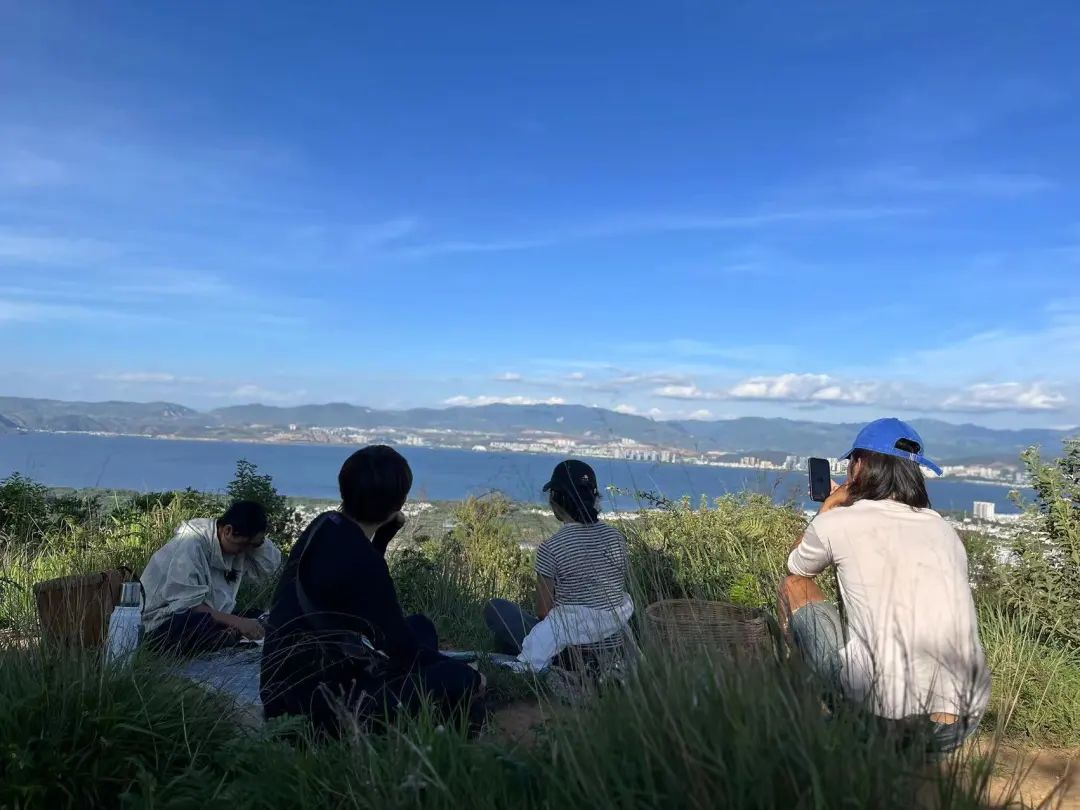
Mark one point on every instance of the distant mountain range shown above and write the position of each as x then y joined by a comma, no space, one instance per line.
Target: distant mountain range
947,442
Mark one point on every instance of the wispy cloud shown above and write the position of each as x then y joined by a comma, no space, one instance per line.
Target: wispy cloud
149,378
477,401
22,169
643,224
251,392
933,111
16,247
910,179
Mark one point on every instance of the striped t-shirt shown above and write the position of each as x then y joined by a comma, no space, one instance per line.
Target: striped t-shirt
588,563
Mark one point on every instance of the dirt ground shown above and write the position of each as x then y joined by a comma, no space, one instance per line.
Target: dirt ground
1030,778
1038,777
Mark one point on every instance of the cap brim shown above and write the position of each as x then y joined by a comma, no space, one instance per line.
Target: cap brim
934,468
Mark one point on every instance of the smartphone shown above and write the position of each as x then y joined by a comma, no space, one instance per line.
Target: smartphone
820,479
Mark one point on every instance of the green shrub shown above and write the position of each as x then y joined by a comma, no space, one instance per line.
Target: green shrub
1046,581
484,543
249,485
1036,689
733,550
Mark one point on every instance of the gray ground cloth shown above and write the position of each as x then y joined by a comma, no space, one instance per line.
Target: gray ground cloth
233,672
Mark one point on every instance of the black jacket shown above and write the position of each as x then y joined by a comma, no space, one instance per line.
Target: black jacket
347,590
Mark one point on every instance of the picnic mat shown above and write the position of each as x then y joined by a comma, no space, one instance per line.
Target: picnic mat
234,672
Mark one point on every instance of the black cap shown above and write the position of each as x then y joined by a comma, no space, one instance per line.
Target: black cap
573,477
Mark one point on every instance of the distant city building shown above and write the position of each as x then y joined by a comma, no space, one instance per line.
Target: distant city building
984,510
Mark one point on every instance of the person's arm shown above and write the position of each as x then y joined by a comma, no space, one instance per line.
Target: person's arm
248,628
547,570
262,563
387,532
545,596
394,636
810,556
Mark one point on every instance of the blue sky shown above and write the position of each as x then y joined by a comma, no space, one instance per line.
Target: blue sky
828,211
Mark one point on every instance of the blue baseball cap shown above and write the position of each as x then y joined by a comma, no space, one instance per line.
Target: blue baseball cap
893,438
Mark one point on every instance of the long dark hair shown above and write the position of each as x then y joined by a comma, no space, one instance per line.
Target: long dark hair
882,477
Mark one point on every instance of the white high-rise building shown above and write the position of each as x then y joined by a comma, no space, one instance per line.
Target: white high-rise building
984,510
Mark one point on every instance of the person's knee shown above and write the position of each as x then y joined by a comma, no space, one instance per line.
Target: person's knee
493,613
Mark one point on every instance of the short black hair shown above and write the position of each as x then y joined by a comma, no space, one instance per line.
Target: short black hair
247,518
374,483
882,477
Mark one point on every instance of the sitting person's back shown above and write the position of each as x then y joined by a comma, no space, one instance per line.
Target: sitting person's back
337,643
908,645
581,571
913,644
586,562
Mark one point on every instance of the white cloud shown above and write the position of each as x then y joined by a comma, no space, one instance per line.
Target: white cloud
508,376
478,401
1011,396
820,389
685,391
627,409
701,413
576,376
250,392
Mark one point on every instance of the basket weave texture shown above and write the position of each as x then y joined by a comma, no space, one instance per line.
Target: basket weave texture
74,611
713,625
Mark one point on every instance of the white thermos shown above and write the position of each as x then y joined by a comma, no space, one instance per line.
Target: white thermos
125,626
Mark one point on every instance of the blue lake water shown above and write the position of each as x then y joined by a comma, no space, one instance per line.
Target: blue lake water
73,460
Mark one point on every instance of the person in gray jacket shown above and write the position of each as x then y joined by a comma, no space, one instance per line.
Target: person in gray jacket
191,582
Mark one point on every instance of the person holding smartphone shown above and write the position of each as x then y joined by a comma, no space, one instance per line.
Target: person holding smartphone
339,650
907,648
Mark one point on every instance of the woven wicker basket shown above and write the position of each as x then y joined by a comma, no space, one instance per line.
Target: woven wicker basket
715,626
74,611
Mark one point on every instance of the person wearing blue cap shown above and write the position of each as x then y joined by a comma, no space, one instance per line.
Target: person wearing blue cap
907,648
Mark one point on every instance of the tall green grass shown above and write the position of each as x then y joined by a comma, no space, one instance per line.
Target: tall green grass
682,733
685,732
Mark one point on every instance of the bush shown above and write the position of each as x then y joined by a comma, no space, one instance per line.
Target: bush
1046,582
733,550
484,544
24,511
1036,690
248,485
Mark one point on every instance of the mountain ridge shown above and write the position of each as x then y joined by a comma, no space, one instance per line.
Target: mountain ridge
945,440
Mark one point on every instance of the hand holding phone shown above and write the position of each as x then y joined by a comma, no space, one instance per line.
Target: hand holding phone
821,483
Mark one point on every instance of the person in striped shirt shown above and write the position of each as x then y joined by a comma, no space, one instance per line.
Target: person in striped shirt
583,565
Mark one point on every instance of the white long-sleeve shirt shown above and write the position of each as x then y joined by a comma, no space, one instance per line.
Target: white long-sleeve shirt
191,570
913,643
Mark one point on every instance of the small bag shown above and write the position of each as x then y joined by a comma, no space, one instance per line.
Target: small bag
74,611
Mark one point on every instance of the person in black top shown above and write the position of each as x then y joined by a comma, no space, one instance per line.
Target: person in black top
338,649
